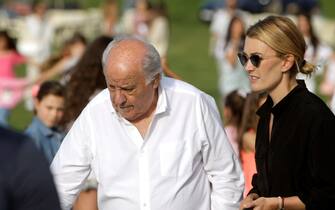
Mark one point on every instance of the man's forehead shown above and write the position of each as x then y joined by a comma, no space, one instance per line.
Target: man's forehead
122,68
127,80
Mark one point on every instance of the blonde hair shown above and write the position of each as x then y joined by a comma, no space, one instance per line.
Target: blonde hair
283,36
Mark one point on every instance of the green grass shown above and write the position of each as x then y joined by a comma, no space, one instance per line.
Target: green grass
20,118
188,54
328,8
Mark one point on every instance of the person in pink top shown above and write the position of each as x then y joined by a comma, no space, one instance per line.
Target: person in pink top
232,114
11,87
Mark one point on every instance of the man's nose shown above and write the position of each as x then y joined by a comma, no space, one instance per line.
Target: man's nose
118,97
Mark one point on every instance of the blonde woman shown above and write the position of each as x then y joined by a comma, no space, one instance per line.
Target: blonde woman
294,138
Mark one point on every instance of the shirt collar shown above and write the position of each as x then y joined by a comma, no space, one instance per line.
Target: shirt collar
46,131
282,104
162,104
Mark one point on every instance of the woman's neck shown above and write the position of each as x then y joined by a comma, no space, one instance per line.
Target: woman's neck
283,88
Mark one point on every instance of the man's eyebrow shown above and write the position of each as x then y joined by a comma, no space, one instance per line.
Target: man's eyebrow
130,85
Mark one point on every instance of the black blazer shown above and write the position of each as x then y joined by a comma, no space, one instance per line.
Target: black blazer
25,180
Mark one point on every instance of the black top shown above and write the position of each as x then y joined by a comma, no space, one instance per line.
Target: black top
298,159
25,180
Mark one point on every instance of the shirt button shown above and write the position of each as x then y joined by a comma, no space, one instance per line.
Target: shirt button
144,204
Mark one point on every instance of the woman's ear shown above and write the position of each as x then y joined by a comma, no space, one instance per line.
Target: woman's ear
288,62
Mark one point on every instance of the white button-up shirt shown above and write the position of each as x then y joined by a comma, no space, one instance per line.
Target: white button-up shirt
184,162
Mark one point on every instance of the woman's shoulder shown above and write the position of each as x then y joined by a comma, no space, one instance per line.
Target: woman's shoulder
312,106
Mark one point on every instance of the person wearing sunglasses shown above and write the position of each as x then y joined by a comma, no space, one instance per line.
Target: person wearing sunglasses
294,139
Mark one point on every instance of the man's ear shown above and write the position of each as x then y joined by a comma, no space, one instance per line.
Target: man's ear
288,62
157,80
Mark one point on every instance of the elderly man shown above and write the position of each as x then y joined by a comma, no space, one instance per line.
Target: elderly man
152,142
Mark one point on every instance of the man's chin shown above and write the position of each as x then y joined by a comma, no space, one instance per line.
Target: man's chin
126,115
130,117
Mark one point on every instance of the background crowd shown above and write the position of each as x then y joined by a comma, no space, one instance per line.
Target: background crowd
35,49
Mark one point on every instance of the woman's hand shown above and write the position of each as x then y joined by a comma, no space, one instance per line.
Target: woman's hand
248,201
260,203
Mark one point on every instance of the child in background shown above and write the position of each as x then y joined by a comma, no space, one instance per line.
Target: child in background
11,87
63,63
44,128
60,65
232,113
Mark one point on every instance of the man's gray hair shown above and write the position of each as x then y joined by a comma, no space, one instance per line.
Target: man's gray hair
151,62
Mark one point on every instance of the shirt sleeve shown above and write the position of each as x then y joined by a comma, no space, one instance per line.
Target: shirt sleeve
318,192
254,188
220,162
30,132
32,186
71,165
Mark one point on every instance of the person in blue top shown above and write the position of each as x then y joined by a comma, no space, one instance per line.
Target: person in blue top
44,128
